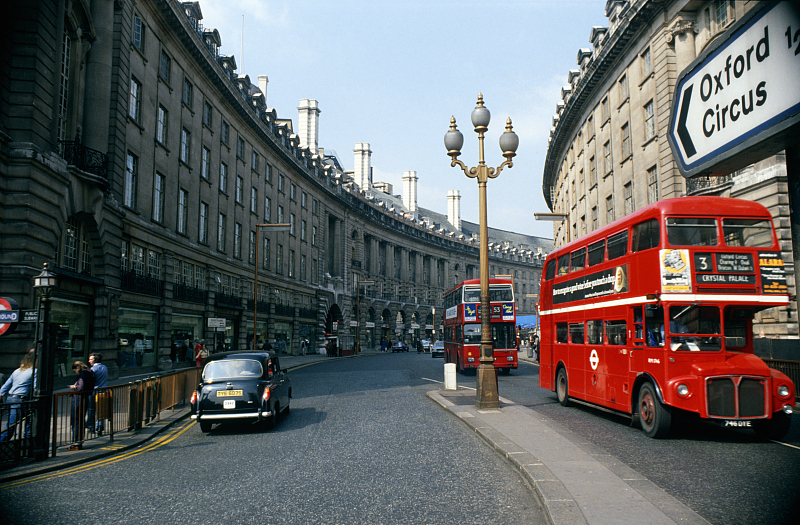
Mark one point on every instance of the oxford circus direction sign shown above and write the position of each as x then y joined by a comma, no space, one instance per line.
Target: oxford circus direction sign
739,101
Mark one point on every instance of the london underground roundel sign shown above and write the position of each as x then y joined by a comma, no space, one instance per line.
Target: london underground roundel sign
9,314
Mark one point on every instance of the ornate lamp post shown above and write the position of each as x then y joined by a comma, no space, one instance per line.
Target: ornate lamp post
487,395
358,314
45,282
280,227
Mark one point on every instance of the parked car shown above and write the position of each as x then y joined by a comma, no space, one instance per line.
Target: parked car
241,386
399,346
438,349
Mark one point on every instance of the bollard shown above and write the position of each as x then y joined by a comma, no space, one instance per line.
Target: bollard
450,376
530,351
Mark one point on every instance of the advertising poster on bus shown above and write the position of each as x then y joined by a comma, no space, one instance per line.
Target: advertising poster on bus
676,274
773,275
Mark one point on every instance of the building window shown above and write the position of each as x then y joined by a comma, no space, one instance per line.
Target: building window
205,163
279,260
304,200
627,191
269,173
280,182
203,233
302,230
626,141
721,13
607,161
131,179
592,171
237,240
293,192
158,197
153,265
291,224
186,141
225,134
138,33
589,128
135,103
183,203
207,114
594,218
265,263
161,125
63,88
238,195
188,93
251,257
223,177
609,209
199,277
254,163
647,65
253,200
267,209
164,66
240,148
313,236
280,215
221,232
649,121
652,185
605,111
623,88
314,271
303,276
291,263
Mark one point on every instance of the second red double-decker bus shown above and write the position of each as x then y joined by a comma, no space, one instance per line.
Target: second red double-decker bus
462,325
653,314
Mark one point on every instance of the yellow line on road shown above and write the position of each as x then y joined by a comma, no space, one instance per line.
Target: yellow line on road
108,461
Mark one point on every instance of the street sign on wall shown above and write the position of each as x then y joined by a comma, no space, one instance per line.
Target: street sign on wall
739,101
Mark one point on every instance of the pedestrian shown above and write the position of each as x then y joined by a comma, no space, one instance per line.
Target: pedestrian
383,344
200,353
303,346
536,348
100,381
83,387
17,389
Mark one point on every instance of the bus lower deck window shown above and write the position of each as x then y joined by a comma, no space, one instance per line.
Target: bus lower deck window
617,332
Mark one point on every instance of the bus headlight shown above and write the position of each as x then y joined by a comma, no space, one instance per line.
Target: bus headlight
683,390
783,391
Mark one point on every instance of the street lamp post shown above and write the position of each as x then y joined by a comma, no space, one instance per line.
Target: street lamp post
280,227
486,395
358,314
45,282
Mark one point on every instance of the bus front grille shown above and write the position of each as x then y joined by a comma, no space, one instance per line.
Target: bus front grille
736,397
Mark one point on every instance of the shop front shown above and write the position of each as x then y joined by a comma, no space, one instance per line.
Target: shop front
137,338
283,337
70,322
186,329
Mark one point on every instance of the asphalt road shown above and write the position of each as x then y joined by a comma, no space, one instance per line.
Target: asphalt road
725,475
362,444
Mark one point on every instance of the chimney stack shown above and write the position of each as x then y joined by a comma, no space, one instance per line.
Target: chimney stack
362,172
308,123
263,80
410,191
454,209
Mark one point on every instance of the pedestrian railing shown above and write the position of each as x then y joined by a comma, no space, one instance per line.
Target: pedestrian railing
83,416
17,421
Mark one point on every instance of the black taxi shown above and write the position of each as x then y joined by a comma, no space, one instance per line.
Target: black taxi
241,386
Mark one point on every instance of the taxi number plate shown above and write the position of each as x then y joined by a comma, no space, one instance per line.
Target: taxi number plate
228,393
229,403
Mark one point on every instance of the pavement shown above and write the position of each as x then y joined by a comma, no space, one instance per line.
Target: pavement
577,482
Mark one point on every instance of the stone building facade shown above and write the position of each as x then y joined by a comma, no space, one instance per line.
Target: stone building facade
608,153
138,164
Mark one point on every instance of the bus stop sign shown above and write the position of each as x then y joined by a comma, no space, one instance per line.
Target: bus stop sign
739,102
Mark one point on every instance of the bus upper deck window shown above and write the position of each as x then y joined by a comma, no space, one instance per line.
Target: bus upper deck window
597,252
646,235
691,231
550,269
618,245
578,260
563,264
747,232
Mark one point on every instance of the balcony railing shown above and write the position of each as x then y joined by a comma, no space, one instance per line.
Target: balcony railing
228,301
190,294
85,159
284,310
134,282
698,184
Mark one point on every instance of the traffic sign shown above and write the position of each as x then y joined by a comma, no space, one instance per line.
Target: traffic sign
738,102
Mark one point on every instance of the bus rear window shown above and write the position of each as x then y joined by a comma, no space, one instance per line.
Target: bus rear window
747,232
597,252
618,245
646,235
691,231
550,269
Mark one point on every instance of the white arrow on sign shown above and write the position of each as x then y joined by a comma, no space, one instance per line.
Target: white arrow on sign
740,93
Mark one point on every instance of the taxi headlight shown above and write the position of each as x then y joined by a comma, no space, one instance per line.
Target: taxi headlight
683,390
783,391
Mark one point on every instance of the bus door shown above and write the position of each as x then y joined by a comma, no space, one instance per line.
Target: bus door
616,357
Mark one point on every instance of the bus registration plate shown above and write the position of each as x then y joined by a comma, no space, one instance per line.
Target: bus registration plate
739,424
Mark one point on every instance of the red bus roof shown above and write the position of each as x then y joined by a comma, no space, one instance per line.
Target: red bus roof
478,282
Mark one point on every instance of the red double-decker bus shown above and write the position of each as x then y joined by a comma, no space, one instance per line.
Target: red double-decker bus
653,314
462,325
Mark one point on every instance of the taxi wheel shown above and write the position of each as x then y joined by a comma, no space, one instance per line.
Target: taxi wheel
562,387
654,417
205,426
273,419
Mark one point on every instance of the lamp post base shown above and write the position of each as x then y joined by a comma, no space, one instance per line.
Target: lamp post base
487,395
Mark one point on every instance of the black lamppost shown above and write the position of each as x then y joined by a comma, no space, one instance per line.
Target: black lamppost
45,282
487,395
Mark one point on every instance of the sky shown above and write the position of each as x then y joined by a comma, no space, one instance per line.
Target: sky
391,73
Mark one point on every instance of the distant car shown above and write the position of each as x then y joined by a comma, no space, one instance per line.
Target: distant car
426,345
241,386
399,346
438,349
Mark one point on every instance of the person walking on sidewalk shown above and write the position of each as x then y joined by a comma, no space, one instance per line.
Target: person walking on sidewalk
80,402
200,353
100,381
17,389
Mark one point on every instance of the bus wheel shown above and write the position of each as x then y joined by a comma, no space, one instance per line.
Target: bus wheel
774,428
506,371
654,417
562,387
